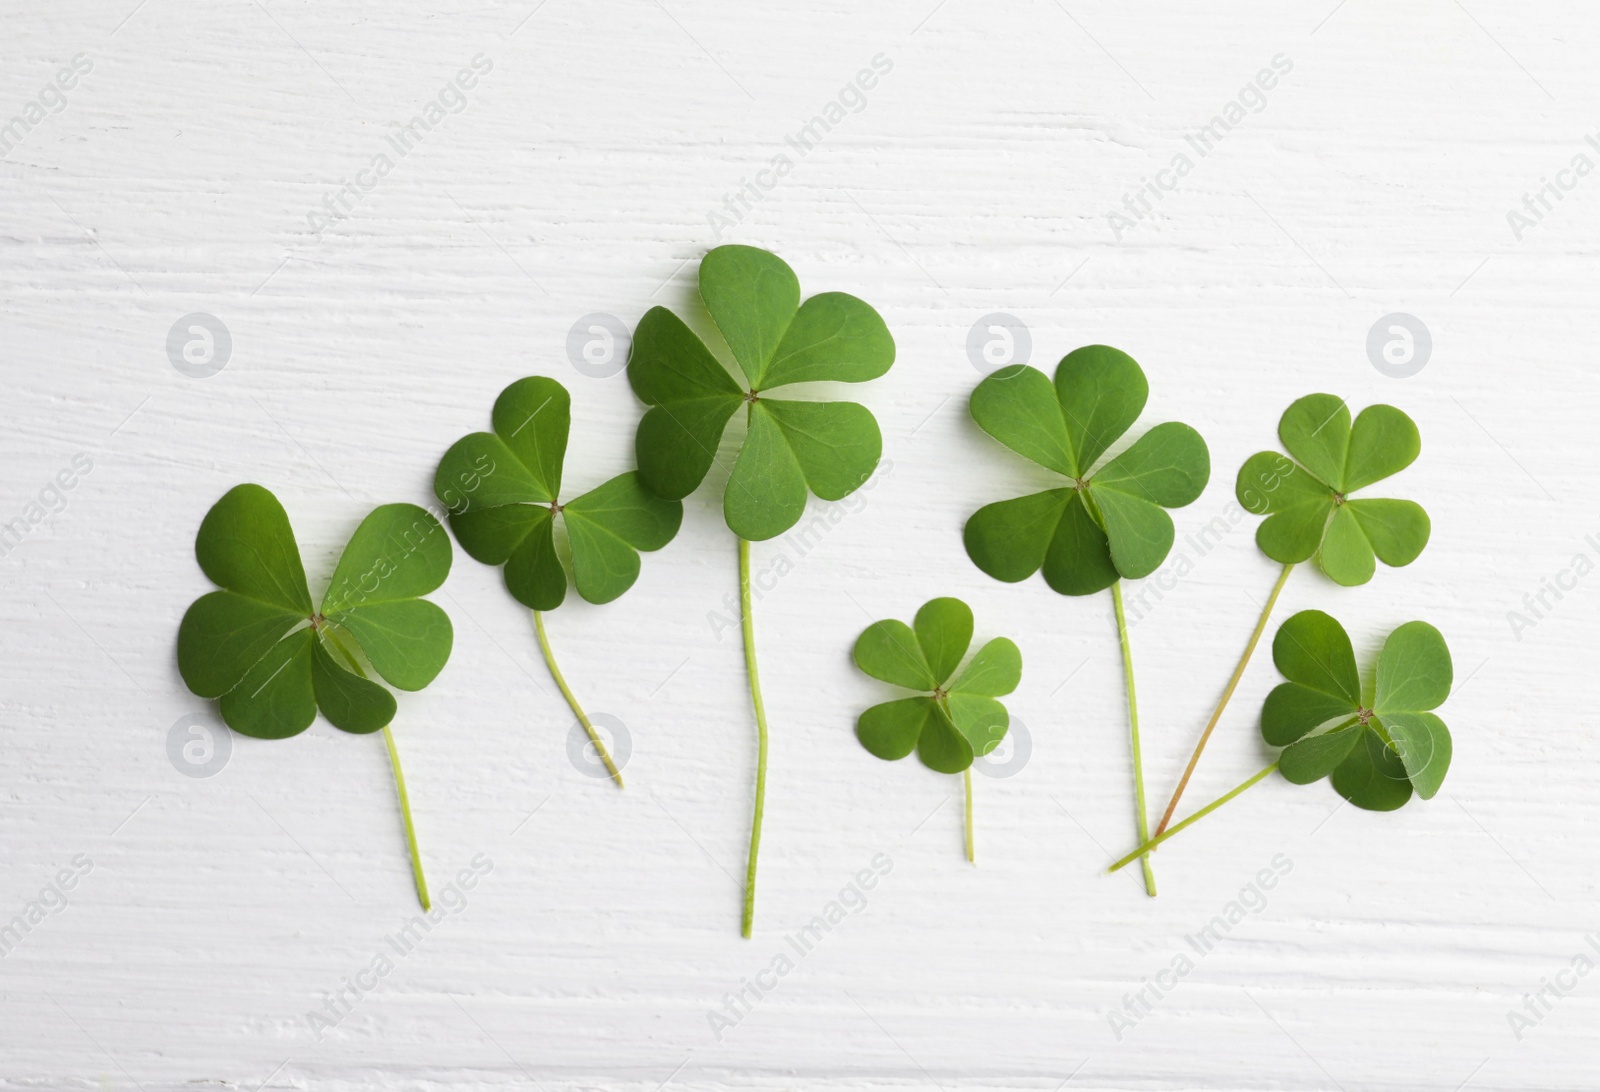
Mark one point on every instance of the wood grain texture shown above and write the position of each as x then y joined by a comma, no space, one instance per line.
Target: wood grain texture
580,177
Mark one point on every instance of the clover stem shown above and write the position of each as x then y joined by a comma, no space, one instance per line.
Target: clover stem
1144,850
1227,693
966,777
399,782
405,811
748,625
566,692
1141,816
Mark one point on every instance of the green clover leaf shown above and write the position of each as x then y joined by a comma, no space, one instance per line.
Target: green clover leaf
956,717
1379,744
1108,521
792,448
502,490
1306,499
274,661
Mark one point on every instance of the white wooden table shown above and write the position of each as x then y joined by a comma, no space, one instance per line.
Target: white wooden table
192,163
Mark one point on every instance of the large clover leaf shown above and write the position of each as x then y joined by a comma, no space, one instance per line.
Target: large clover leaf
1107,521
272,659
502,490
792,448
956,717
1380,743
1307,499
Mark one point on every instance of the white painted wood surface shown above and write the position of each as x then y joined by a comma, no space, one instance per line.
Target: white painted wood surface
976,177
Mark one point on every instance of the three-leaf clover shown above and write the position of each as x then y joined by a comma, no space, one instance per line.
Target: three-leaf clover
1307,499
956,716
274,660
792,448
1103,523
502,490
1383,740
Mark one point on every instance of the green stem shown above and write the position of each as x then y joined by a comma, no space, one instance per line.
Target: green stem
566,692
411,829
966,777
748,626
1227,693
1144,850
1142,817
399,782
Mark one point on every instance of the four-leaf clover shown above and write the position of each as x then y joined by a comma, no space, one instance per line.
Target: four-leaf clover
272,658
956,717
1384,740
1110,520
1381,742
1106,522
502,491
1307,499
792,448
1309,512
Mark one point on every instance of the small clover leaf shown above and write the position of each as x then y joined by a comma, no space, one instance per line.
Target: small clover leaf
792,448
1306,498
1110,521
1380,744
274,661
957,716
502,490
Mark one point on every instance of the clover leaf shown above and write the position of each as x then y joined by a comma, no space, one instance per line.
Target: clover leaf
956,717
1378,743
1381,742
1107,521
1310,512
274,660
792,448
502,490
1307,501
